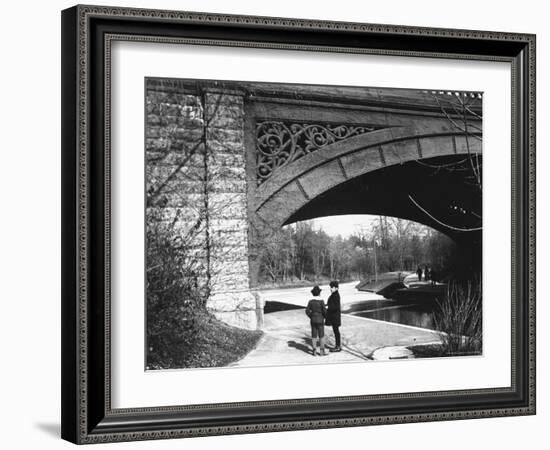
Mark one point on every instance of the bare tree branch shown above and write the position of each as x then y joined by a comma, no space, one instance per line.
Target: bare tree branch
439,221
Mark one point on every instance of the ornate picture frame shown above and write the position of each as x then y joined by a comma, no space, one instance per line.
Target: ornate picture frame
88,33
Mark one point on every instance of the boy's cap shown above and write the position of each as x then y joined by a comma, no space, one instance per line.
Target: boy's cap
316,290
334,284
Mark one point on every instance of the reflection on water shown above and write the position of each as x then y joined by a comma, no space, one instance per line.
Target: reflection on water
414,315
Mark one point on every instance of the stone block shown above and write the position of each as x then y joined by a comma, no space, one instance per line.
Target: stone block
241,309
436,146
247,319
169,214
168,109
173,173
362,161
216,148
192,231
472,144
191,158
231,301
196,252
222,208
153,131
227,281
154,95
229,252
216,172
219,157
226,237
165,120
318,180
222,254
190,121
227,115
226,267
232,138
289,199
400,152
227,225
179,200
227,121
166,142
152,119
218,186
227,203
213,99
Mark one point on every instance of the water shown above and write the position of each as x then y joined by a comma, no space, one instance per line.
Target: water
358,303
301,295
414,315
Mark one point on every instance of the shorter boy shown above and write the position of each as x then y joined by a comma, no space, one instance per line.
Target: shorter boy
316,311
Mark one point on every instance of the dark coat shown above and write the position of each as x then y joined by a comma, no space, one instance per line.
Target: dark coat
316,311
333,310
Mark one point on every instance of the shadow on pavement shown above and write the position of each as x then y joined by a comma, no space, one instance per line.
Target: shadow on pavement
356,353
271,307
306,348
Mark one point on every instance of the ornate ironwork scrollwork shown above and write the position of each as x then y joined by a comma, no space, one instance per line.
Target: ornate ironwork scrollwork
279,143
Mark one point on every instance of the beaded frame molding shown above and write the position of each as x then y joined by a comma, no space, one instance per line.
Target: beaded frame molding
87,35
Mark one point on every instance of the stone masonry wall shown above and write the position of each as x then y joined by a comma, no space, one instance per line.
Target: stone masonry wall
231,298
200,189
175,168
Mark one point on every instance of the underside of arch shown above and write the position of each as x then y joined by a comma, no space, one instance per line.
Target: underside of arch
386,154
437,192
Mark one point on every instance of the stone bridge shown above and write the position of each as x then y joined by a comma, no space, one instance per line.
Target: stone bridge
267,155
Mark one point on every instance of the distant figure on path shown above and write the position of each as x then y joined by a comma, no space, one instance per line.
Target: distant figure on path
419,273
334,317
316,311
433,276
427,273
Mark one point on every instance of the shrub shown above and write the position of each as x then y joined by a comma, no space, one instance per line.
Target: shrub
459,318
180,330
175,300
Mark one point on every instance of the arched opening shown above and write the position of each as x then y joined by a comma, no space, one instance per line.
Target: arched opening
375,259
440,193
393,237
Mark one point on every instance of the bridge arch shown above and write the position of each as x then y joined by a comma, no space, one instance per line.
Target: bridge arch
288,190
207,168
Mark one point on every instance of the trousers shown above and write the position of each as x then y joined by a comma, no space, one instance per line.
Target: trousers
336,331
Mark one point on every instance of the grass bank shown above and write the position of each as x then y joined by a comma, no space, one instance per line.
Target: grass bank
215,345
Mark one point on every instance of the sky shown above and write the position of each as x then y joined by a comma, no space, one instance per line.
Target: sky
344,226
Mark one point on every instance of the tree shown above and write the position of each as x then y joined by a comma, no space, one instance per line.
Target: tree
320,244
464,114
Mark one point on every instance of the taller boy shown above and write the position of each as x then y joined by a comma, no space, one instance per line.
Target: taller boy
334,314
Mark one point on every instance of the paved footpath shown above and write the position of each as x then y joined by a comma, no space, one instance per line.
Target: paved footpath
301,295
287,340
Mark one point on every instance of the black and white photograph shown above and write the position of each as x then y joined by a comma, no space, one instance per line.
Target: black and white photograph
275,225
293,224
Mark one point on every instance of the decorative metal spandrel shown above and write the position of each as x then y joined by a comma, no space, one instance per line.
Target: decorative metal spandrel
278,143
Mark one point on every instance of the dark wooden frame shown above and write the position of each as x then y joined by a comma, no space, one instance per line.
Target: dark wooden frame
87,31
